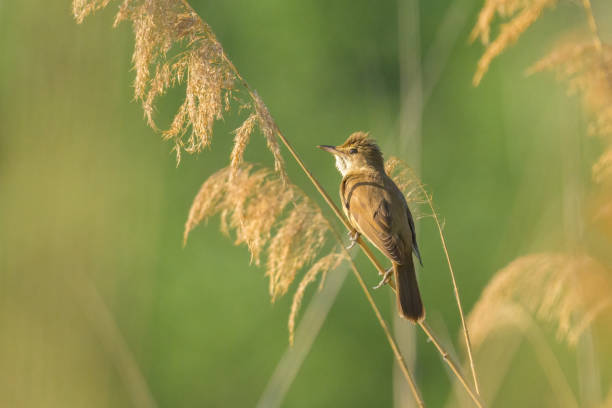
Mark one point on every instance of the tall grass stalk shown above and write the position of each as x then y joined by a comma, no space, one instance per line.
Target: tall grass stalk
466,334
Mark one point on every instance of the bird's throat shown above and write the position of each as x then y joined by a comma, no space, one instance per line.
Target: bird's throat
342,165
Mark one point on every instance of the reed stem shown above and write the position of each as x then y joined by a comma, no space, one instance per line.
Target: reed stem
466,334
383,324
454,368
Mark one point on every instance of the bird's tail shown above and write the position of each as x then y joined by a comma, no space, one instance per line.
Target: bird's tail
408,296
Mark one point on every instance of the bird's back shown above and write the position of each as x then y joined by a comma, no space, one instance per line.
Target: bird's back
376,208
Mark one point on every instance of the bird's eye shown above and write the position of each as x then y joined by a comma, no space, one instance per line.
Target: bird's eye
353,150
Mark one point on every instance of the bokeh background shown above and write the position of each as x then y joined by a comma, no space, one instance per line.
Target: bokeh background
101,306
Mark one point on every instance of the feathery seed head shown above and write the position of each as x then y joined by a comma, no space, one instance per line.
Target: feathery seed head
268,214
522,14
173,45
569,291
327,263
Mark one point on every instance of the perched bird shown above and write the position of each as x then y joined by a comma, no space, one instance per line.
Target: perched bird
377,209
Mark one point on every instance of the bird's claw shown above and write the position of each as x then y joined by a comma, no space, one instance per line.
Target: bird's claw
354,236
385,278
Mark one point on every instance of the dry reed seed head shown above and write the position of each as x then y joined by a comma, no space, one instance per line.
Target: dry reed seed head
269,129
602,169
83,8
208,201
268,214
483,323
567,291
327,263
410,185
600,212
297,241
165,26
504,8
172,45
523,14
257,205
241,139
588,71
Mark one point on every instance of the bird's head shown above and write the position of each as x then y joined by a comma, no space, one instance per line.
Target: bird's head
358,151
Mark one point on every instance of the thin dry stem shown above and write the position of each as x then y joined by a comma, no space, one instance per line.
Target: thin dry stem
383,324
466,334
454,368
409,182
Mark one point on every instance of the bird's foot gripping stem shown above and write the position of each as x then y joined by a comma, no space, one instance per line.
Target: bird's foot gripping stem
354,236
385,279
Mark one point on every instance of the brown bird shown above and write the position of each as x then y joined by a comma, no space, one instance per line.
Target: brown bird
377,209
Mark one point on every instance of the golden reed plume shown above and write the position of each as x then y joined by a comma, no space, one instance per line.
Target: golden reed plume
587,68
566,291
520,13
174,46
572,290
270,216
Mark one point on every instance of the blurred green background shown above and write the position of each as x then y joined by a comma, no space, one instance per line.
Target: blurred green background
100,306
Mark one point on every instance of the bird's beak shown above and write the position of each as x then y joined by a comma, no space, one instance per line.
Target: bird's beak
329,149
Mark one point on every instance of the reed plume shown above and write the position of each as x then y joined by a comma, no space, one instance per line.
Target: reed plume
268,215
174,46
567,292
520,14
587,68
405,179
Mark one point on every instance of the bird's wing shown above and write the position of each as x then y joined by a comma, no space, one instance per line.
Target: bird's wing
370,211
415,245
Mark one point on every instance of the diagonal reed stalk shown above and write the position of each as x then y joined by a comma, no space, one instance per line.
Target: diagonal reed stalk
466,334
383,324
253,95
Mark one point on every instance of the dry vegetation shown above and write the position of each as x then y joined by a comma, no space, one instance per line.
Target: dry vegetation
566,291
569,291
174,46
286,231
